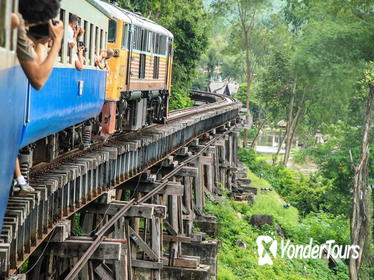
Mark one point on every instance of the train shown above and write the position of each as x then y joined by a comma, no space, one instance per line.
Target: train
76,108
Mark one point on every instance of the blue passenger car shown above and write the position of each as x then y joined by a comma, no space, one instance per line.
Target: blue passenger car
69,97
13,92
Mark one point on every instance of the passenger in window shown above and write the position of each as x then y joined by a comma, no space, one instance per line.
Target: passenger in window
35,22
101,61
77,52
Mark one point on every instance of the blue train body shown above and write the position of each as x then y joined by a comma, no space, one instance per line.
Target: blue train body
13,92
68,98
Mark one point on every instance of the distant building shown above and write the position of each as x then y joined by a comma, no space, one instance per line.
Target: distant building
223,87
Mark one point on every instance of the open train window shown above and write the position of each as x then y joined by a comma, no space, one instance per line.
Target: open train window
162,45
97,41
86,41
156,67
101,40
91,48
112,31
62,49
2,23
142,64
144,40
138,35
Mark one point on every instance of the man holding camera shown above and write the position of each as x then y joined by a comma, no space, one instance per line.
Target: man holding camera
38,15
77,50
36,22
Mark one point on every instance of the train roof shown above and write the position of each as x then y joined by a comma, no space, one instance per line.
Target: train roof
135,19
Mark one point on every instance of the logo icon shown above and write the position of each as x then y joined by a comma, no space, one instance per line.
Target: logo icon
264,250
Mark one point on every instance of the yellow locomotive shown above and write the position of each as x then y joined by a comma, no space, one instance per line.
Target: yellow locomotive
139,77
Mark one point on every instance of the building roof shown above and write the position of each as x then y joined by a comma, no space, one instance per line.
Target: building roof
223,87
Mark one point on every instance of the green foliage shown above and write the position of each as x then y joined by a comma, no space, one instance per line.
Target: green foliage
76,228
240,263
236,263
321,227
312,194
179,100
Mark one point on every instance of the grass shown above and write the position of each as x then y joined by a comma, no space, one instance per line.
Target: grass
236,263
270,203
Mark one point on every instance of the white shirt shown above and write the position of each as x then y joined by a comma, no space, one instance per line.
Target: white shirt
70,35
70,39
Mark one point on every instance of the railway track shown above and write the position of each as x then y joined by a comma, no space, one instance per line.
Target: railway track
74,182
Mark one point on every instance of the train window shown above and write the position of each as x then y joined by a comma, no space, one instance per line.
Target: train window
156,67
142,65
62,49
91,48
130,36
101,39
124,35
2,23
150,42
162,45
138,38
97,41
112,31
85,40
144,40
157,44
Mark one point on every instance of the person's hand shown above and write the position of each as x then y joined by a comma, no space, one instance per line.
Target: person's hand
56,31
81,50
80,31
14,21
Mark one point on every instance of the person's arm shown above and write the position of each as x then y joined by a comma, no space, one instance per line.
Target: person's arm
72,37
38,73
80,61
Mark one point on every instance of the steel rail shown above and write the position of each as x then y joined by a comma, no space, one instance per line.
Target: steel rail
100,235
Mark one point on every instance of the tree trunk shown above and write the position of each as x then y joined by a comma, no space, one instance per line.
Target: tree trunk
360,215
275,157
289,121
258,133
246,29
293,127
247,105
292,122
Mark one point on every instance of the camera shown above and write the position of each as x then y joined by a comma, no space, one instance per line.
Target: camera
39,31
82,45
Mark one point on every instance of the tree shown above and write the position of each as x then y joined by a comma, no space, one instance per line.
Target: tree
360,209
245,14
337,47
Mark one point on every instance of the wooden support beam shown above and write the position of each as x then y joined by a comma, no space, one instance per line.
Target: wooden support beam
109,249
185,261
172,188
4,259
103,271
170,228
146,264
144,246
62,231
143,210
188,171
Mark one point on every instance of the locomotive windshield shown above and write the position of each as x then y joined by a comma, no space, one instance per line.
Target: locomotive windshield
112,31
